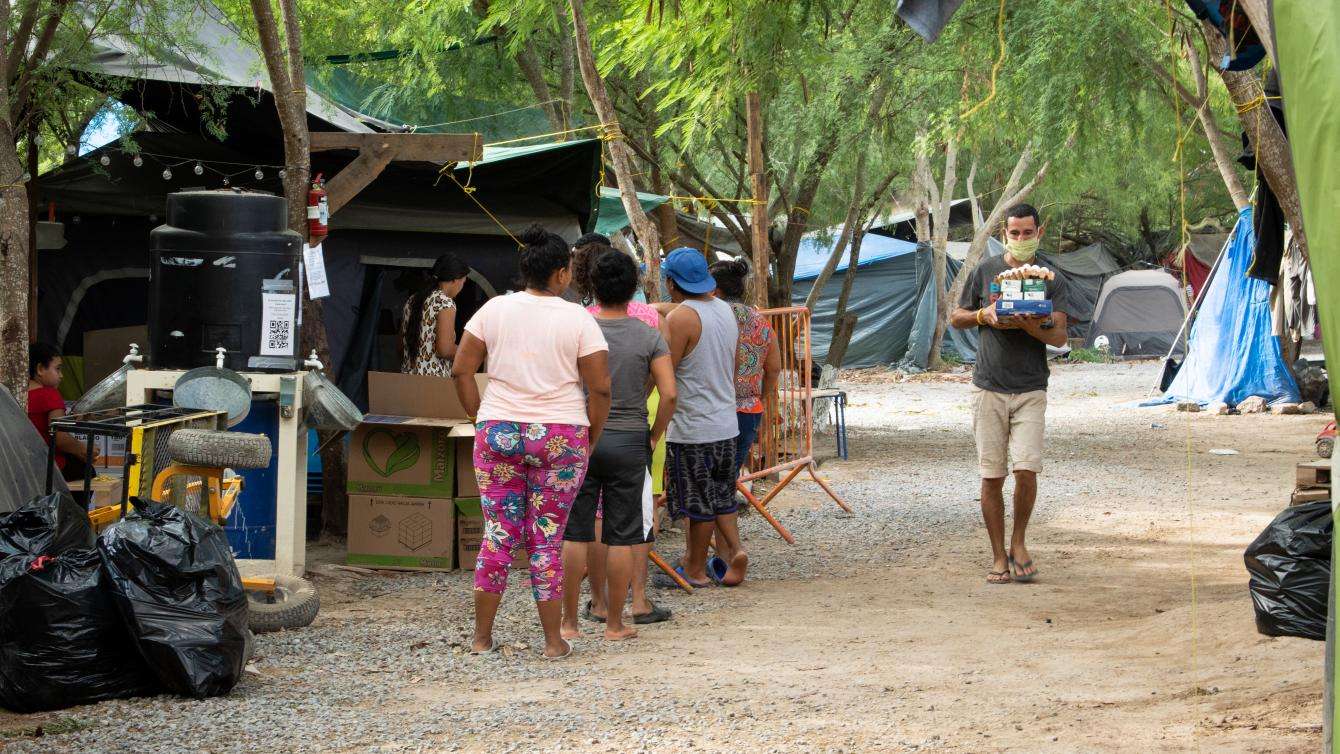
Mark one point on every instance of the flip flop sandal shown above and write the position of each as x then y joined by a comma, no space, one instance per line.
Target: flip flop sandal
998,577
665,582
559,657
716,569
588,615
1017,571
493,647
658,614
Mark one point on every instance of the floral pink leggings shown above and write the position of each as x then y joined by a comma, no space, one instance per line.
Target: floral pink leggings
528,476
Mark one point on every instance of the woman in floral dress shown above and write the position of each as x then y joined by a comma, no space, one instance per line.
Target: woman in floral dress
546,402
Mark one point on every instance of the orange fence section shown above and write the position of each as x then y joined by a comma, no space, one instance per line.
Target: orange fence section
785,443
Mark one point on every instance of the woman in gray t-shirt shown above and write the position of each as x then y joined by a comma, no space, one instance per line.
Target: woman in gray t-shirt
617,476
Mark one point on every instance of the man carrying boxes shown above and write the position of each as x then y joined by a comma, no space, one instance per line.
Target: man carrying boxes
1018,309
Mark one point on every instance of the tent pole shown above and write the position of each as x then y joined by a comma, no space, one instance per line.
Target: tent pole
1195,305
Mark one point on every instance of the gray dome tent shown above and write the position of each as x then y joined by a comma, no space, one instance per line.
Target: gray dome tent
1141,313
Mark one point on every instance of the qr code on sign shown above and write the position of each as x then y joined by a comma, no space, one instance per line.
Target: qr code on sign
278,337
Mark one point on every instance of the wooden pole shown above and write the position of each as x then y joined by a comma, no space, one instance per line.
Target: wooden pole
758,216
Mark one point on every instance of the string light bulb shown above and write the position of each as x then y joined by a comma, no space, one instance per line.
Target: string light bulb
137,161
225,181
27,176
260,174
167,174
105,160
199,169
71,149
282,173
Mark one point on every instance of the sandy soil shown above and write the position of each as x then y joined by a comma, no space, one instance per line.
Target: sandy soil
877,631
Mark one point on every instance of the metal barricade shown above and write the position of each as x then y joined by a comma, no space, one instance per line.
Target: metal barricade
785,444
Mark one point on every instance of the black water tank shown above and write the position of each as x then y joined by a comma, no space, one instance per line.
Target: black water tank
223,276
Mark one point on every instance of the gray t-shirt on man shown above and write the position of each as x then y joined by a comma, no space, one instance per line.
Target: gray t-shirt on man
633,345
1008,361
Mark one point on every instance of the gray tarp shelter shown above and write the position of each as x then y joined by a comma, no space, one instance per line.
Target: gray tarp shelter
1140,312
892,296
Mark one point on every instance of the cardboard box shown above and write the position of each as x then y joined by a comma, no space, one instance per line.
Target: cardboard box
466,483
401,533
104,350
406,444
106,491
470,532
1314,474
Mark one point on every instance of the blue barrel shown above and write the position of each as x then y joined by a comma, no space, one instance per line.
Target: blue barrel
251,525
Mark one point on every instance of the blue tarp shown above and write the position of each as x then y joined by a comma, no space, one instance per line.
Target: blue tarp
1232,353
815,248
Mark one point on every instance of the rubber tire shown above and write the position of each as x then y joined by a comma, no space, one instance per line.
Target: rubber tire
230,450
297,607
1325,447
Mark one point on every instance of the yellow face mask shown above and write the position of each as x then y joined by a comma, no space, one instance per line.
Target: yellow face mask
1024,250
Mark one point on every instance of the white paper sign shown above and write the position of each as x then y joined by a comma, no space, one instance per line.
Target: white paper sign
315,263
278,330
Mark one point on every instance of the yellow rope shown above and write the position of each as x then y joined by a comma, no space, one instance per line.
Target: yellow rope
995,68
470,191
608,133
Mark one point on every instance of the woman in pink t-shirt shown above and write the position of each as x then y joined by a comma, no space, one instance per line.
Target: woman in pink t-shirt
546,402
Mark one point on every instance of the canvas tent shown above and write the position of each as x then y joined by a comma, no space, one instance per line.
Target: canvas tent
1140,312
892,296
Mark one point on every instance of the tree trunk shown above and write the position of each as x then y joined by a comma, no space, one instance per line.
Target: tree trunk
843,330
14,254
940,248
284,64
758,220
622,159
1267,139
1223,157
840,311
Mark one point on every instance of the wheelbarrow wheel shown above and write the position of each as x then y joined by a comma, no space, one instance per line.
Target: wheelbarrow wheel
231,450
1325,446
294,604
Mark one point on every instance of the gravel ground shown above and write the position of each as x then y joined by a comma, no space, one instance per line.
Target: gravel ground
819,631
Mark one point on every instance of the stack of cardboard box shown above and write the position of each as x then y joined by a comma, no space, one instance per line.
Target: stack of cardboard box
413,499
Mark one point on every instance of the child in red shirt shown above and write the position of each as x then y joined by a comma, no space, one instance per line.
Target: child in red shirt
45,404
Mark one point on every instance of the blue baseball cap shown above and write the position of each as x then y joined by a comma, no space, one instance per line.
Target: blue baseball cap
688,269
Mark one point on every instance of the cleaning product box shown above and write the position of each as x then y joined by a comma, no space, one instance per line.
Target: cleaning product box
401,533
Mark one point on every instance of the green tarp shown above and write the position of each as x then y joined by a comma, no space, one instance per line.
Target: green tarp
1307,41
612,217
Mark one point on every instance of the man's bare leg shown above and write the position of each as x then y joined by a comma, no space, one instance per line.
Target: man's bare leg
620,570
993,513
574,570
1025,494
728,541
695,558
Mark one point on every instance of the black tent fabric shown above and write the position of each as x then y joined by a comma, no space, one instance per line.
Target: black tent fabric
407,217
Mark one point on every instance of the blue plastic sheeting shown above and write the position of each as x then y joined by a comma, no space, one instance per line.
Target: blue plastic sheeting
814,251
1232,353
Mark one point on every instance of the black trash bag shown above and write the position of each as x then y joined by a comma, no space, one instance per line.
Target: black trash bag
47,525
173,578
62,641
1290,568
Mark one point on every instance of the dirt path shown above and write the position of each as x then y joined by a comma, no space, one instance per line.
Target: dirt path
875,632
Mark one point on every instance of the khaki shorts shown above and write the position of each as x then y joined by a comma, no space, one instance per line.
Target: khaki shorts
1008,427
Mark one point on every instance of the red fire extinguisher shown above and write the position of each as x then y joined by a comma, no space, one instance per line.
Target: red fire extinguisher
318,209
